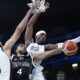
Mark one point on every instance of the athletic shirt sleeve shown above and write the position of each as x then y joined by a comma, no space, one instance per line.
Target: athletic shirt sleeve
4,66
34,48
30,48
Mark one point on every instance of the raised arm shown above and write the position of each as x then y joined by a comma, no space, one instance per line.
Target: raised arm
8,45
29,28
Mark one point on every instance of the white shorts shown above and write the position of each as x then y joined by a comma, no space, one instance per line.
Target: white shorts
37,76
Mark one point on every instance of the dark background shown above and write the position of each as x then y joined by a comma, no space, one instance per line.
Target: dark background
62,17
61,21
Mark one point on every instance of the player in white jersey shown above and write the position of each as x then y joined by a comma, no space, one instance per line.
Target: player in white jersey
36,49
39,46
5,50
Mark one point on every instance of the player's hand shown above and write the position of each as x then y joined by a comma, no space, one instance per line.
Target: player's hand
43,6
46,5
34,7
39,6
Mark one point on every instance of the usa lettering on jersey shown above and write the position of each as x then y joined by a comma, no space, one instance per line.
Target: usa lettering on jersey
35,48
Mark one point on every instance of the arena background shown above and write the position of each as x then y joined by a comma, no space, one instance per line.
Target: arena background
61,21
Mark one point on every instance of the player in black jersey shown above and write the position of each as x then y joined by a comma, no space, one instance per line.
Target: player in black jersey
22,64
5,50
22,61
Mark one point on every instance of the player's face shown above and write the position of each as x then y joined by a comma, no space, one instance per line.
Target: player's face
41,38
21,49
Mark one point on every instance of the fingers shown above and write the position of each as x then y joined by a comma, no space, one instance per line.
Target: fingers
47,5
39,6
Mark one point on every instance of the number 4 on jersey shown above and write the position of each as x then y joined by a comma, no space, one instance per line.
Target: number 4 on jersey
19,71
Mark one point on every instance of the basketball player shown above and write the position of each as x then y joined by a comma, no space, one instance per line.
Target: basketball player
22,62
38,47
5,50
37,57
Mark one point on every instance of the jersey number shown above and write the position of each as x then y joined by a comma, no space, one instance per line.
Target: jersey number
19,71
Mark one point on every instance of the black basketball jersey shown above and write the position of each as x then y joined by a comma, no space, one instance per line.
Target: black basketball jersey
24,65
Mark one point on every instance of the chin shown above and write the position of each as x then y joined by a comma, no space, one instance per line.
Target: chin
24,52
43,41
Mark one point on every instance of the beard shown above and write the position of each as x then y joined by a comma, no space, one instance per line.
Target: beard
24,52
42,43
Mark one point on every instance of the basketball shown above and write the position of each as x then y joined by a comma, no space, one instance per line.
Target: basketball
70,48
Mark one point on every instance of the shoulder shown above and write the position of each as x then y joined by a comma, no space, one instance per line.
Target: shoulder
47,46
31,44
27,43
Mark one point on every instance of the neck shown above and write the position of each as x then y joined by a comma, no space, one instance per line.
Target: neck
41,43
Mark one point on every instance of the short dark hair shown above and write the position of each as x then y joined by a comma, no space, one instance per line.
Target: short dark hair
15,47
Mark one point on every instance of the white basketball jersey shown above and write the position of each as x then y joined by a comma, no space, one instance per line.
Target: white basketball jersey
34,48
4,66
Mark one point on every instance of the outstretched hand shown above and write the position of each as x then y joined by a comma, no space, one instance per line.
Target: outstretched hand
43,6
46,5
39,6
34,7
